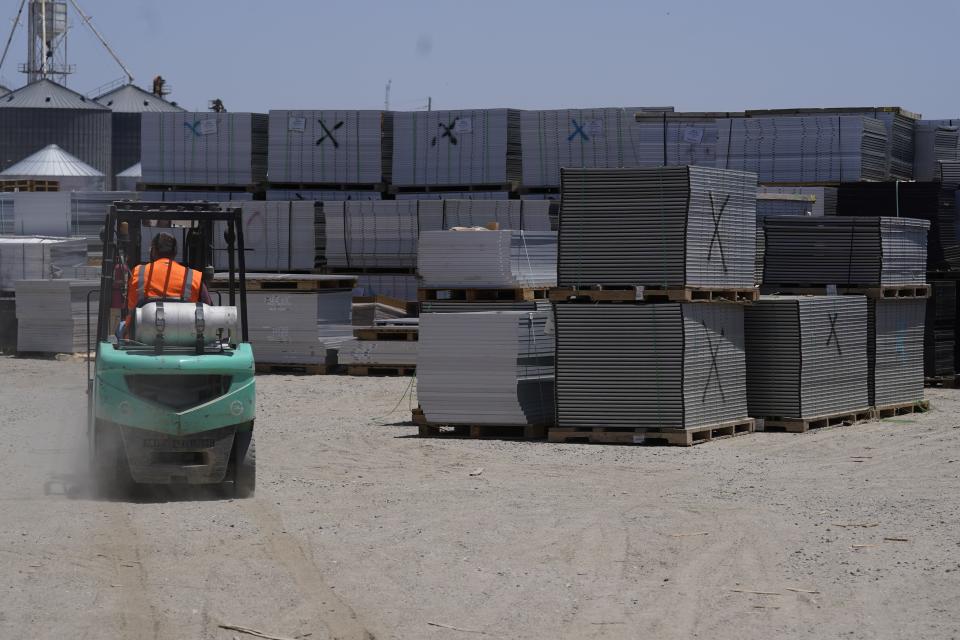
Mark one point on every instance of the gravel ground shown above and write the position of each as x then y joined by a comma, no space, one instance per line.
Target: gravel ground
360,530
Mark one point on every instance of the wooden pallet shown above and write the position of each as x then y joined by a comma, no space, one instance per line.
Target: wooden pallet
381,370
291,283
873,292
481,295
395,333
417,417
293,369
802,425
942,382
642,435
598,293
480,431
509,187
901,409
8,186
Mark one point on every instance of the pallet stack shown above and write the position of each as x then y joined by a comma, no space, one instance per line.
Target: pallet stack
387,348
655,268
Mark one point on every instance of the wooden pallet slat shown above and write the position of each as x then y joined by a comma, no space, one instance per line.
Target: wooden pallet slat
381,370
802,425
654,294
646,435
292,284
885,292
481,295
388,334
902,409
293,369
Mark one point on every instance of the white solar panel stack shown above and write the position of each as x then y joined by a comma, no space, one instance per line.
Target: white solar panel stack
806,356
581,138
196,196
326,147
849,251
278,237
466,147
387,353
806,148
510,214
38,258
488,259
6,214
46,214
655,366
488,368
935,140
455,195
678,139
52,315
204,148
895,350
669,227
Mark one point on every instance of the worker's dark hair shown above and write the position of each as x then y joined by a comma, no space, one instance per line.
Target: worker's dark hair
163,245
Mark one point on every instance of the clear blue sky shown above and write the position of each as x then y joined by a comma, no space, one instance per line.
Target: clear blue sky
694,55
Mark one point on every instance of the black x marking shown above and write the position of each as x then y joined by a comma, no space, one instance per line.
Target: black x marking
714,368
328,133
717,217
447,133
833,331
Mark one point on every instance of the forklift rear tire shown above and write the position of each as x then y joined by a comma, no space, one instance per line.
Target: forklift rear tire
111,469
245,465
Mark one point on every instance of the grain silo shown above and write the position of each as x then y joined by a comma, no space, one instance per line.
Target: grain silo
44,113
128,103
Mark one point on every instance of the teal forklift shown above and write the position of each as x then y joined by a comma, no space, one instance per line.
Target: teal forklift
171,401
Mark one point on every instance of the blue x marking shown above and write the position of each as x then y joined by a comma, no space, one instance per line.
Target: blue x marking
577,129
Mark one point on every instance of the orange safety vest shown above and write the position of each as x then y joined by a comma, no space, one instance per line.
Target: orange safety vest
163,279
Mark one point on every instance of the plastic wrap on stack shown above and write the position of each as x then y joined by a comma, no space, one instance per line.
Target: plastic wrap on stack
488,368
326,147
488,259
278,237
895,350
939,341
466,147
806,356
806,148
52,315
204,148
38,258
846,251
605,138
671,365
672,226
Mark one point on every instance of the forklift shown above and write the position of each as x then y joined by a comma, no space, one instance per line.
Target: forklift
171,399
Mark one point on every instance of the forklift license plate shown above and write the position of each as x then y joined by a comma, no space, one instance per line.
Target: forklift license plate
169,444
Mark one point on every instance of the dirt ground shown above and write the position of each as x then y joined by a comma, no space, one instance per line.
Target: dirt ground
360,530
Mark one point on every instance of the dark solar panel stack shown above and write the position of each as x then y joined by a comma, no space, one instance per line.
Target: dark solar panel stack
778,204
923,200
845,251
806,356
895,352
668,365
939,342
662,227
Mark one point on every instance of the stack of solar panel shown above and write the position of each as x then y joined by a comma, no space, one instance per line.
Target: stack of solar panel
7,218
397,352
455,195
895,331
385,234
489,368
278,237
949,174
88,211
459,306
670,365
935,140
37,258
806,356
851,251
400,286
467,147
578,138
488,259
672,226
326,147
196,196
777,204
939,341
321,195
181,148
52,315
806,148
824,198
923,200
676,139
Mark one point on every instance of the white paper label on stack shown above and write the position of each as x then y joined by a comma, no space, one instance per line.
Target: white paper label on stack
208,127
693,135
463,125
296,124
595,128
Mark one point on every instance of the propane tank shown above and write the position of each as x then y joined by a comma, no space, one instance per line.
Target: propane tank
179,323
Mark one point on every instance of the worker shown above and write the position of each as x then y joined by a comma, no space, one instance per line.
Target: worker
163,278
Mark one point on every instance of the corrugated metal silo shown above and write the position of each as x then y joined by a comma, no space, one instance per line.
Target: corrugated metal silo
44,113
128,103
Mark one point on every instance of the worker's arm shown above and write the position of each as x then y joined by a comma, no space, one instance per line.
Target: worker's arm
205,295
